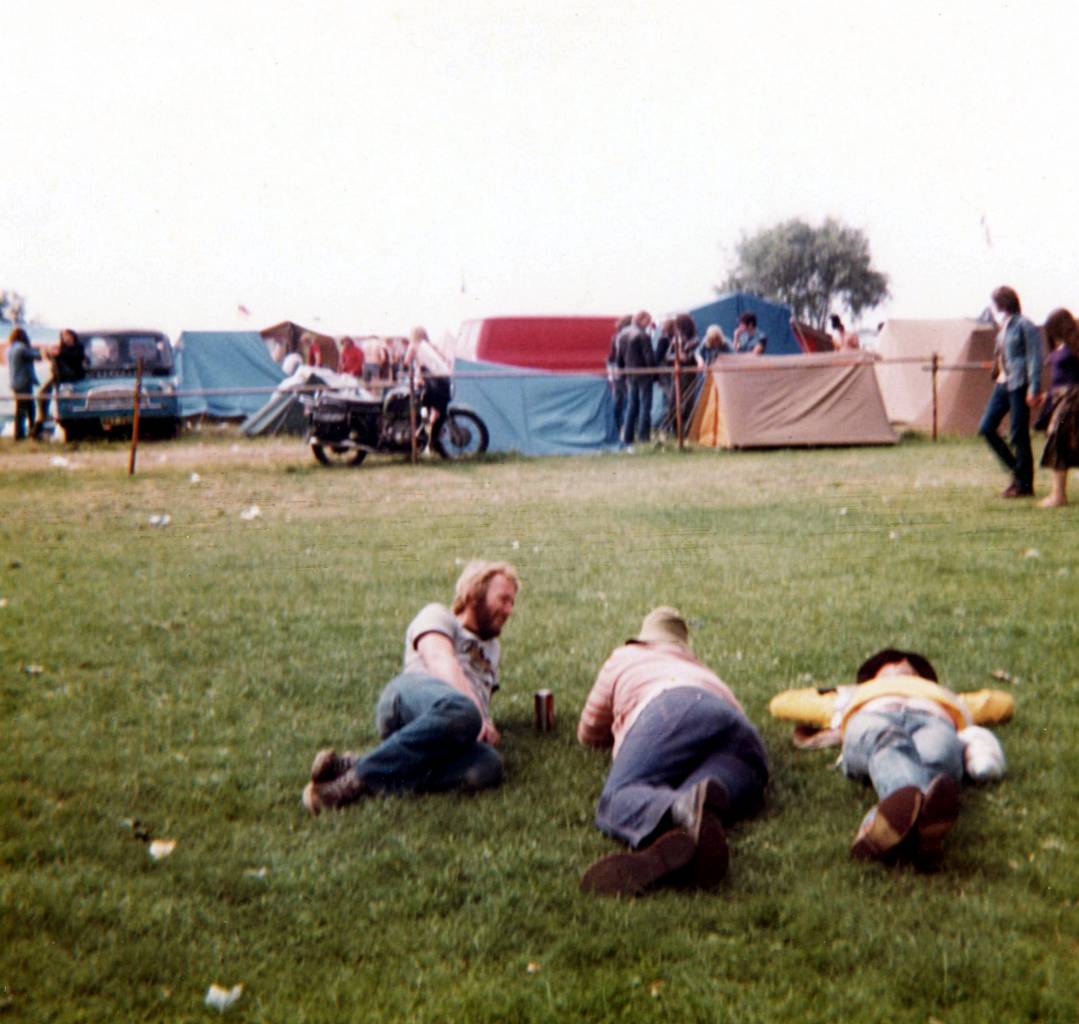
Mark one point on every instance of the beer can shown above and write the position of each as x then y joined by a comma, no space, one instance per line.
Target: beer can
544,711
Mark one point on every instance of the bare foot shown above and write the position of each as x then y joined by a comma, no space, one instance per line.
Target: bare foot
1052,502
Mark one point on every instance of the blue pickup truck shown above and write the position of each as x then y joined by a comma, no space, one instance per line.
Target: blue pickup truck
103,402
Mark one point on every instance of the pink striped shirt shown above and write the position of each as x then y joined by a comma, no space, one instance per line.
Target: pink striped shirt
632,676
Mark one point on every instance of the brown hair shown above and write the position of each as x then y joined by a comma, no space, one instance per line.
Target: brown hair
686,326
1060,327
1006,300
474,580
869,668
18,334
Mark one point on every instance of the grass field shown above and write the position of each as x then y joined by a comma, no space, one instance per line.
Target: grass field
189,673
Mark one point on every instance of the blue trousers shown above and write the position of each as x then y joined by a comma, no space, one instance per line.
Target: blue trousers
429,744
900,748
639,412
619,388
1017,459
681,737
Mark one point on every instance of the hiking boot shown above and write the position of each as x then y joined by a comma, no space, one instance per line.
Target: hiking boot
887,825
1016,490
630,874
698,811
940,811
342,791
329,765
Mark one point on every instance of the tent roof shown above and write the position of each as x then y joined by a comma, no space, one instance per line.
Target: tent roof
772,318
224,361
538,413
908,387
778,402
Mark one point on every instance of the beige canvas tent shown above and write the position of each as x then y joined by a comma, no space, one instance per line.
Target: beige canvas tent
908,388
781,401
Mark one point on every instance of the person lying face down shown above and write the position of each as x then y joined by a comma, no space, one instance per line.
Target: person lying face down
913,739
686,758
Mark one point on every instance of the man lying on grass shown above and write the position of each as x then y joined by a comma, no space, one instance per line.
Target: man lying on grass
686,758
913,739
435,717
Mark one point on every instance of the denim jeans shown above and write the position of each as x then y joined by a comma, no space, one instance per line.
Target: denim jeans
1017,459
681,737
428,732
639,412
619,389
900,748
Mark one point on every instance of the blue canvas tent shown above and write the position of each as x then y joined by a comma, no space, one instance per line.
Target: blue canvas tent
538,413
224,361
773,319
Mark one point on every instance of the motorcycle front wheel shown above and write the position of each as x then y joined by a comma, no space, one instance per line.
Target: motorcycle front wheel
338,455
461,434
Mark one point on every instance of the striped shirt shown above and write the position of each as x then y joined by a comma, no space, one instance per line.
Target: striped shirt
631,677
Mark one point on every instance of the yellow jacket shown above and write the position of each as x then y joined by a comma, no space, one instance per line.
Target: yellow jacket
809,707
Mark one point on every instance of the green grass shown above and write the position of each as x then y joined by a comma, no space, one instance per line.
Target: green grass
191,672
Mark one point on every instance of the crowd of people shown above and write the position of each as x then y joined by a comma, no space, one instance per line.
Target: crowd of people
67,363
643,354
686,759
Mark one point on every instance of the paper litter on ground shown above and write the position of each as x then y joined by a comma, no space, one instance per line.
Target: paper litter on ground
221,998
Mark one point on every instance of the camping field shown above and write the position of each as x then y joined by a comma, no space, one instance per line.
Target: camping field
173,682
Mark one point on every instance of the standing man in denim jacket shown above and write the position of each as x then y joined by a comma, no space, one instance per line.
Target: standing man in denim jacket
1018,372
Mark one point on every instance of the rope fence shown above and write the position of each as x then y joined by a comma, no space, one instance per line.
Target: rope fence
140,395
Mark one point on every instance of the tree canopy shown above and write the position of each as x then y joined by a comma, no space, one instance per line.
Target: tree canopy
815,271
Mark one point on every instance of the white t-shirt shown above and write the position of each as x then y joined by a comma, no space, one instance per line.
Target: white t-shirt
477,658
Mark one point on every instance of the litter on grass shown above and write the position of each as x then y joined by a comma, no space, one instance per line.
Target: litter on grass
533,967
161,520
194,478
159,849
33,670
250,514
1032,553
3,602
256,872
60,462
1004,676
221,998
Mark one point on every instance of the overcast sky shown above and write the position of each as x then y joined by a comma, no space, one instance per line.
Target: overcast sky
368,166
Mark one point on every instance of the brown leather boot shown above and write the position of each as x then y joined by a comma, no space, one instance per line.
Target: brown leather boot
342,791
329,765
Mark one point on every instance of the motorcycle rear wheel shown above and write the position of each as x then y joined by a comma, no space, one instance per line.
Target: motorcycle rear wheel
338,455
461,434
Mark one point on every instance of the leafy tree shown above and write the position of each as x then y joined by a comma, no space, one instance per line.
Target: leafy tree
815,271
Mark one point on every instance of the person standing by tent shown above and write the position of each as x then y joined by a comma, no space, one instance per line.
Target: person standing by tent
748,340
714,345
435,375
1062,438
68,366
435,717
615,377
686,758
351,358
844,340
21,356
1018,371
638,357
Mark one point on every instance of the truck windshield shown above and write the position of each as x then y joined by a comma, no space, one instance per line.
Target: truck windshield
120,353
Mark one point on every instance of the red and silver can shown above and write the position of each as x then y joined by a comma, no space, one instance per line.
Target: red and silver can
544,711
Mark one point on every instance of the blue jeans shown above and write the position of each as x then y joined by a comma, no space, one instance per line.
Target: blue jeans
429,744
639,413
1017,459
900,748
681,737
619,390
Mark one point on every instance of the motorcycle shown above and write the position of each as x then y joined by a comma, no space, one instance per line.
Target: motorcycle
342,429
